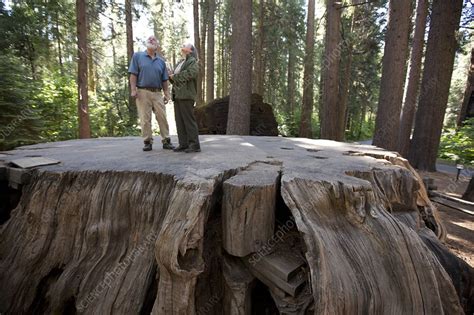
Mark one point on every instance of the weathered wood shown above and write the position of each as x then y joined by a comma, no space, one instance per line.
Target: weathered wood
212,118
18,176
303,303
248,213
292,286
284,264
125,232
454,205
31,162
238,287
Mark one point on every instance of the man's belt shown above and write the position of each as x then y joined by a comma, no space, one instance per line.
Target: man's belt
150,89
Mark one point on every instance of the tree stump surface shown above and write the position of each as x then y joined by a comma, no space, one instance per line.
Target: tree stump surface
115,229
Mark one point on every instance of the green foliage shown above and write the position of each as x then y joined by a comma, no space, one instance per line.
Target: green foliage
458,145
284,27
57,99
110,111
19,119
366,39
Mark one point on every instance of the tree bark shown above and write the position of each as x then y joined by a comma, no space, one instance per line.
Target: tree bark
291,85
129,30
259,71
409,107
82,78
210,51
437,73
469,193
346,80
332,123
241,68
467,108
204,11
197,44
308,76
392,83
58,40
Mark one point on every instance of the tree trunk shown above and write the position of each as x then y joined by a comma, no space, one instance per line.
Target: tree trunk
346,80
104,236
197,44
82,82
129,30
437,73
467,108
308,76
204,11
291,84
469,193
91,71
409,107
58,39
238,122
332,123
259,71
392,83
210,51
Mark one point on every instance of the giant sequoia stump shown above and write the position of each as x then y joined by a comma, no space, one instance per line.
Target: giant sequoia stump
212,117
112,229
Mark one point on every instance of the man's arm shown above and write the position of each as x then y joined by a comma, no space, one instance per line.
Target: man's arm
166,91
187,74
133,70
133,85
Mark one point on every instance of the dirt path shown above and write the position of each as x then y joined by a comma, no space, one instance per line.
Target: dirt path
460,225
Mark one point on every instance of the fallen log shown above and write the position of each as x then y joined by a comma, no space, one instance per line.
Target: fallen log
129,232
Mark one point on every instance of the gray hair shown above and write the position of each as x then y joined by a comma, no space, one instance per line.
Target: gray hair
193,52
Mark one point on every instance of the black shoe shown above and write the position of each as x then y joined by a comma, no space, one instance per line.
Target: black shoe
167,144
192,149
180,149
147,147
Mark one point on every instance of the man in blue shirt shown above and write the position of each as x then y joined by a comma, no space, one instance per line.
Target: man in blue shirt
148,81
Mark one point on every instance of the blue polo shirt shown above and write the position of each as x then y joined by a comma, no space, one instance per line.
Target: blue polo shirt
151,72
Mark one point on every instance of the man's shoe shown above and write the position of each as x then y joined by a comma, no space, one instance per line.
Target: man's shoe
192,149
167,144
180,149
147,147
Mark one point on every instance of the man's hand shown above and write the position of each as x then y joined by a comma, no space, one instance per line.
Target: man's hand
166,98
134,93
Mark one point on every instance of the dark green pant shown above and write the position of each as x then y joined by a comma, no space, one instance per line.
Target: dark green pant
188,133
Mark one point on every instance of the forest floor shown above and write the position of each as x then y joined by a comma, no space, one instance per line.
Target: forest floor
460,225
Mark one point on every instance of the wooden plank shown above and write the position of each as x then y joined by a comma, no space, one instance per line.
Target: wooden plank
284,264
291,287
448,197
453,205
30,162
18,176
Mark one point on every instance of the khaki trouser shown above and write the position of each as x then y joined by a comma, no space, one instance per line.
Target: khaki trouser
148,101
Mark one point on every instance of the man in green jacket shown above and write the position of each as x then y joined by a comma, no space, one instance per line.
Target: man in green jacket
184,80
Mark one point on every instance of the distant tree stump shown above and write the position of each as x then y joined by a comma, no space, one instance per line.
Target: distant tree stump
469,193
129,232
212,118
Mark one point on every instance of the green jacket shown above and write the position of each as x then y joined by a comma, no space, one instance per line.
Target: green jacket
185,82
